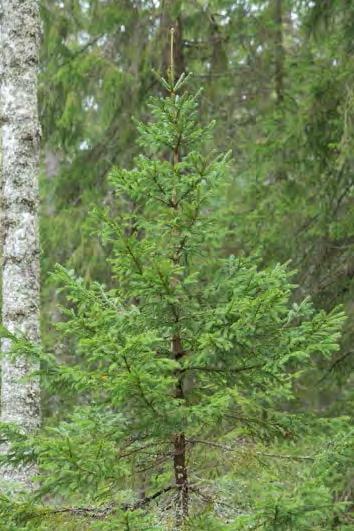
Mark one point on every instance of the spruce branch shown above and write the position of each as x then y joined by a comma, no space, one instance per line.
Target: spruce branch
99,513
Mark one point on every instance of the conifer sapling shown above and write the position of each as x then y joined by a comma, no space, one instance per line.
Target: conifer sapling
189,348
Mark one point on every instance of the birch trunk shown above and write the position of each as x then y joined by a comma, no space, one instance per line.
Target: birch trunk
20,32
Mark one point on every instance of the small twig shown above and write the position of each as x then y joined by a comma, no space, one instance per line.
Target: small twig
141,503
139,384
225,370
211,443
335,363
262,454
293,457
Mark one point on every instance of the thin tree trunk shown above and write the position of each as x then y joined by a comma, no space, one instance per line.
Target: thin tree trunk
279,51
20,33
179,459
181,479
279,57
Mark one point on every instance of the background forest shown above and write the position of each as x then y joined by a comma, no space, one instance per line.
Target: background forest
202,318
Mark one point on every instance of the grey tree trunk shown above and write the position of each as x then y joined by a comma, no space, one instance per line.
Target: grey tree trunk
20,33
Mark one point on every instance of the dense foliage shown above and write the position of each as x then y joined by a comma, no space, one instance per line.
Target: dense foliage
189,352
194,324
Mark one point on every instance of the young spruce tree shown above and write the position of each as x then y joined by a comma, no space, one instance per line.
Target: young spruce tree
190,349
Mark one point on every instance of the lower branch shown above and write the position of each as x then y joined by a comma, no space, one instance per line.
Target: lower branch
99,513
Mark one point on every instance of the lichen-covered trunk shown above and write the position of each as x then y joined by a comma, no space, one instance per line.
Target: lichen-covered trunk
19,38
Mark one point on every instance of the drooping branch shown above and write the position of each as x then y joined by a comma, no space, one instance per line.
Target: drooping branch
99,513
228,448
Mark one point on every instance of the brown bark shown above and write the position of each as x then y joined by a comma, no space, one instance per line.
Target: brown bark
181,478
179,442
179,459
